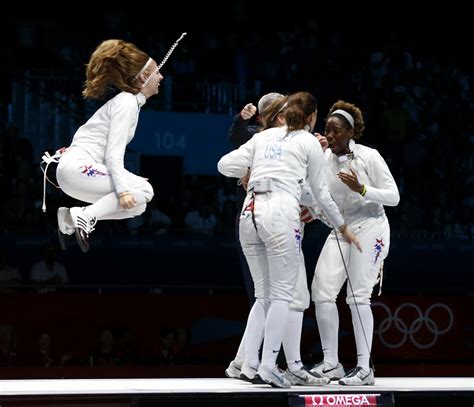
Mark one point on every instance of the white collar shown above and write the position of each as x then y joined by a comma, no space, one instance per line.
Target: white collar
141,99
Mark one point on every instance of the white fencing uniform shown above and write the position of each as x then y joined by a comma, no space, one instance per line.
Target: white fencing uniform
365,215
301,297
287,160
270,230
93,166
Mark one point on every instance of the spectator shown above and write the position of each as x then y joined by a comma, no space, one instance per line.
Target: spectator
49,270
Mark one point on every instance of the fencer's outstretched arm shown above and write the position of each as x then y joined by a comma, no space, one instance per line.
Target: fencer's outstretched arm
350,236
236,163
317,182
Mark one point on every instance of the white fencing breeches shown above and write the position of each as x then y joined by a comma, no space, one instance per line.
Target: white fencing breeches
272,245
363,268
83,179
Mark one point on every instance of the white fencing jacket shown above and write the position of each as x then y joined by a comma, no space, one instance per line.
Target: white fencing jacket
373,172
289,159
106,134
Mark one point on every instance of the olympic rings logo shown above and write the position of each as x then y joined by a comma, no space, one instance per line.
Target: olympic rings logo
409,329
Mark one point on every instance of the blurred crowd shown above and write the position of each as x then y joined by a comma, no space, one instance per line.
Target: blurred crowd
417,106
416,97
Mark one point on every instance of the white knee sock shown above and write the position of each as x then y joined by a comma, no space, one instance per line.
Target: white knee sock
253,335
292,340
109,206
327,317
275,326
125,214
240,356
363,343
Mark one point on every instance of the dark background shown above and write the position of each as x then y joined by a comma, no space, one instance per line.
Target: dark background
411,75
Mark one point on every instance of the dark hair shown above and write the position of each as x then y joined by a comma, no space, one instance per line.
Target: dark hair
354,111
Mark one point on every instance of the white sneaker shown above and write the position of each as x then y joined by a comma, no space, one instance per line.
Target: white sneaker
65,226
248,372
272,376
332,373
83,226
359,377
65,223
303,377
233,371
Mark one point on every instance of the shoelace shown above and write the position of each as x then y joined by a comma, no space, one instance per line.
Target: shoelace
48,159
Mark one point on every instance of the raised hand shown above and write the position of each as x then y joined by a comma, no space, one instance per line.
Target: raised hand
248,111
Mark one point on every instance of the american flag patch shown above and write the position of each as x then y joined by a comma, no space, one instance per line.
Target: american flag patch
298,238
378,249
90,171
